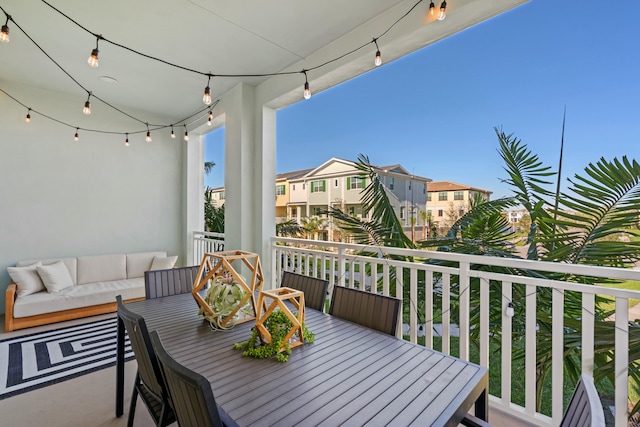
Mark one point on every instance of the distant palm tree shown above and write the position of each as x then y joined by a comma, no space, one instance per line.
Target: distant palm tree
208,167
423,216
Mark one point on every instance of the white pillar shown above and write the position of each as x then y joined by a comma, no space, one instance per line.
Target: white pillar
194,196
249,174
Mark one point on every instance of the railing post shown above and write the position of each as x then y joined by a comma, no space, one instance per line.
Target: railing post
557,355
465,289
484,323
531,323
622,361
588,321
507,323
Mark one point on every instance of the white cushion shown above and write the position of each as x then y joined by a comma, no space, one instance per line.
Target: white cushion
101,268
71,263
79,296
138,263
55,277
163,263
27,279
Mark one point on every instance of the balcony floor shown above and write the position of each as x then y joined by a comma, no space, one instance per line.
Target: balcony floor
89,399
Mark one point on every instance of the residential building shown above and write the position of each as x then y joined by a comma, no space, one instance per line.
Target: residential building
338,183
447,201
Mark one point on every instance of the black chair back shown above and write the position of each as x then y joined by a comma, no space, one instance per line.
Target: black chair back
374,311
162,283
190,392
148,383
315,290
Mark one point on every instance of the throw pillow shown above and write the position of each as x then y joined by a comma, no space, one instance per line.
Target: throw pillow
163,263
55,276
26,279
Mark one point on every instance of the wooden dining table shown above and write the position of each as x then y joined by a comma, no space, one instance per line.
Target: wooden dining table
350,375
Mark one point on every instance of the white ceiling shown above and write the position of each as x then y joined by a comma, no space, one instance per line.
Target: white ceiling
217,36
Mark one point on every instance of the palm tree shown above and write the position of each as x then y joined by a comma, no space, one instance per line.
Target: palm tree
423,216
311,225
208,167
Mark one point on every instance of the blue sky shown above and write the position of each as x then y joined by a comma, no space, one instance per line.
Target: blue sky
434,111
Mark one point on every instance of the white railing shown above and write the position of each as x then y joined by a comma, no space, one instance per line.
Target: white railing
206,242
345,265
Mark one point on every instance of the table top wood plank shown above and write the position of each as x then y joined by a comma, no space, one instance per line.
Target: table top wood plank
350,375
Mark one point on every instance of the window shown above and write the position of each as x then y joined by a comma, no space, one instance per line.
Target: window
440,213
318,186
280,190
390,183
458,195
402,209
293,187
442,196
424,188
352,211
428,197
409,185
304,186
222,195
355,182
335,183
460,212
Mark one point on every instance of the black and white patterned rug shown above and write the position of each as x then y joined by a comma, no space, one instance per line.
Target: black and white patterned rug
37,360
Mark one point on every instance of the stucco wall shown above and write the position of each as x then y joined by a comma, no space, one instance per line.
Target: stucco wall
61,198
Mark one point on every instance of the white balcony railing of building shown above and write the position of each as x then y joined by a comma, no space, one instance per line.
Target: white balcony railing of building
426,290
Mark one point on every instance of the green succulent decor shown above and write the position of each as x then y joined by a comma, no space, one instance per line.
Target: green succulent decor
223,295
278,324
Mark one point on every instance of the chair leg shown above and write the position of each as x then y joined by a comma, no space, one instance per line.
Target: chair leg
134,399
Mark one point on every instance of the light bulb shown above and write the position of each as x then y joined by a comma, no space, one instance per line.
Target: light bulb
28,117
378,61
509,312
93,58
148,137
307,91
432,8
173,134
206,98
126,141
4,35
186,136
209,122
86,110
76,137
443,11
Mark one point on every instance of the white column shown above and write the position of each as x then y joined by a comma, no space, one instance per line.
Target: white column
249,174
194,196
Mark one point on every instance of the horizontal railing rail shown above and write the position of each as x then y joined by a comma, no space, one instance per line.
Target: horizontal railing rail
435,289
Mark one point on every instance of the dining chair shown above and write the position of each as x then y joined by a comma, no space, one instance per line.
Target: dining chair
173,281
191,394
374,311
148,383
585,407
315,290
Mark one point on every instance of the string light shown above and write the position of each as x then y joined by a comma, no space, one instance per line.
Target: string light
86,110
93,58
307,90
173,134
76,137
509,311
443,11
186,134
432,9
206,98
126,141
4,35
378,61
28,117
148,137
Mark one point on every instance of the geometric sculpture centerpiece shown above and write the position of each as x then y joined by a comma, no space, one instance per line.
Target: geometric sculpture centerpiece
230,298
275,299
